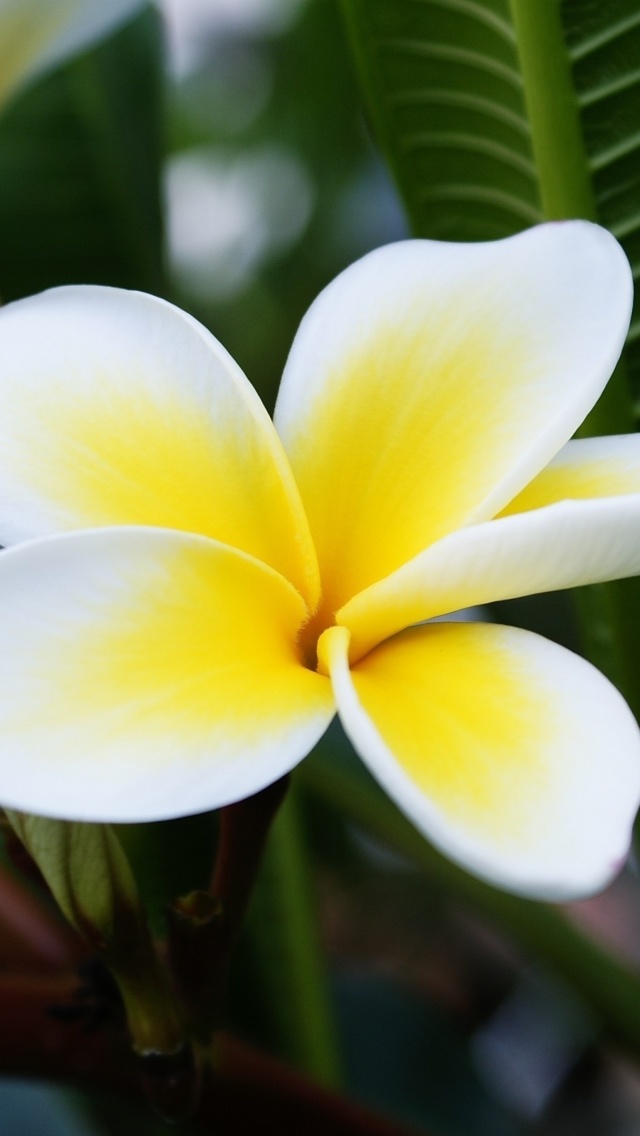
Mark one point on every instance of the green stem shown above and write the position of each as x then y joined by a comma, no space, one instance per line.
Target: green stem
556,133
296,960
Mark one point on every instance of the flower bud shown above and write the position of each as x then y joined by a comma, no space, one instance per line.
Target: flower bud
91,880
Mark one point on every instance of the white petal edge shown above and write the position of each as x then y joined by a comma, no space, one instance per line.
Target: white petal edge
605,764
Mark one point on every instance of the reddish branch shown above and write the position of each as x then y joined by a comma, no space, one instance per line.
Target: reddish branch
251,1092
45,1029
31,935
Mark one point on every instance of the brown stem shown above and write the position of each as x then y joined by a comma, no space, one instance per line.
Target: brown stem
203,926
251,1092
40,1038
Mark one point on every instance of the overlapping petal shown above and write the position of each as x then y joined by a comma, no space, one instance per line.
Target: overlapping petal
35,36
430,382
578,522
515,757
148,674
584,468
117,408
560,546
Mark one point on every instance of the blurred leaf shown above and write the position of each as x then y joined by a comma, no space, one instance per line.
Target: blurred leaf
309,110
34,39
80,171
284,935
606,985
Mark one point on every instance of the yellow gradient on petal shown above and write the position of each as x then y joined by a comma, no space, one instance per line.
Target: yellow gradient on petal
468,722
607,477
205,644
409,435
116,455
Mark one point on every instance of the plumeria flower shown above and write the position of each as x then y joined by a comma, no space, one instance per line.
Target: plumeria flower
37,35
191,594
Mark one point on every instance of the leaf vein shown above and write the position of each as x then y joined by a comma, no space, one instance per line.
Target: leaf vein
603,38
608,89
451,54
476,12
612,153
626,226
462,191
472,143
440,96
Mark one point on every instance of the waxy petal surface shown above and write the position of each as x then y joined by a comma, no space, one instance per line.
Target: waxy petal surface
577,522
430,382
35,36
148,674
584,468
560,546
117,408
514,756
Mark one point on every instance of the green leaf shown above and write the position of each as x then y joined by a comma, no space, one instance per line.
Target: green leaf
80,161
445,92
283,927
603,46
496,114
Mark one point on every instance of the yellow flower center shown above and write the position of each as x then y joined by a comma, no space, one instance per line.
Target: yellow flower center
310,633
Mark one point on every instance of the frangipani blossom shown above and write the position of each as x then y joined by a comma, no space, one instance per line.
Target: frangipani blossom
37,35
192,594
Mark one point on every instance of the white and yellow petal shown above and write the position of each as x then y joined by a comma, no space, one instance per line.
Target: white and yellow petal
586,468
36,36
148,674
117,408
576,523
430,382
514,756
